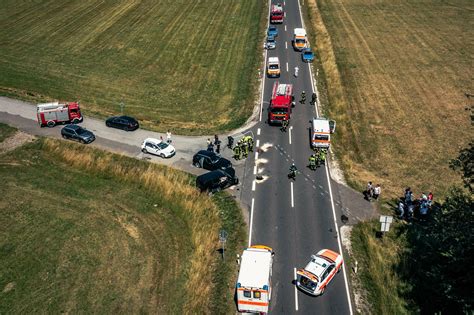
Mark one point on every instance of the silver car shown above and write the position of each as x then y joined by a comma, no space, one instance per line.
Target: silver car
271,43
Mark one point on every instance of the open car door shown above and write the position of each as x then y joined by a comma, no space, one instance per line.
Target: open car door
332,126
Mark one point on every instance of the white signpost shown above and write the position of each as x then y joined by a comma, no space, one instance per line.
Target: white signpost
385,221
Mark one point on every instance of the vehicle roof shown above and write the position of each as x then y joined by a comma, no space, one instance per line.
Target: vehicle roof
206,153
273,60
320,125
126,117
300,32
330,255
270,37
210,175
317,265
74,127
255,268
153,140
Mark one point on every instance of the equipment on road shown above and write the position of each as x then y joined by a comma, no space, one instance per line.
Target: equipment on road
299,39
50,114
273,67
281,103
321,133
276,13
253,286
292,173
319,271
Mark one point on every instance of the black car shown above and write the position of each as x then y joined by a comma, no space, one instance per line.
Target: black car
217,180
210,161
77,133
122,122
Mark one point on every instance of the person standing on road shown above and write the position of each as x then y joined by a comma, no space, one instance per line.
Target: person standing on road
369,191
168,136
284,124
296,71
210,147
303,97
237,152
313,99
322,156
312,162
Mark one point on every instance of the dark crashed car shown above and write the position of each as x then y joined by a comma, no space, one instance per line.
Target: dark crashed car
210,161
122,122
217,180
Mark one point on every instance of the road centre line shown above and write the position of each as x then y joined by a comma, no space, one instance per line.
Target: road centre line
289,133
330,192
258,132
253,185
285,27
296,290
286,45
287,67
256,156
255,170
251,222
292,199
258,143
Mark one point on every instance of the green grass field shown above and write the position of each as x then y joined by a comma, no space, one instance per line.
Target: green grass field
397,72
6,131
189,66
86,231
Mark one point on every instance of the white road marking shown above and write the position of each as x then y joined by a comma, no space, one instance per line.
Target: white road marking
251,221
296,290
258,143
287,67
253,185
286,45
285,28
339,241
292,200
289,133
256,155
284,2
258,132
255,170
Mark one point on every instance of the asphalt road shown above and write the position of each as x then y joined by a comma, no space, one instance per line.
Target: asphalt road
296,219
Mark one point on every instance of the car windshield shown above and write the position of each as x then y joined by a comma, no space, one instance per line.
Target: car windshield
300,41
80,131
273,67
307,283
308,53
272,29
162,145
271,40
279,110
321,137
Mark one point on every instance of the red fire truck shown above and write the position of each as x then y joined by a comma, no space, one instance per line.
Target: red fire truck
50,114
281,103
276,14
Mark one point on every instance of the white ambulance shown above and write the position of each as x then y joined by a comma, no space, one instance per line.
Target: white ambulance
300,41
321,129
254,283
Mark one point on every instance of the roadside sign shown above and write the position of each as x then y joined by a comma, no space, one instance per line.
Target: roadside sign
385,221
223,239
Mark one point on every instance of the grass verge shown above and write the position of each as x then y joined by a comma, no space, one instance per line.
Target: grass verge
6,131
88,231
183,65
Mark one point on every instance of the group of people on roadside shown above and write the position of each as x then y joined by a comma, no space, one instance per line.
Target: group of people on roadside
317,158
243,147
408,204
214,146
372,192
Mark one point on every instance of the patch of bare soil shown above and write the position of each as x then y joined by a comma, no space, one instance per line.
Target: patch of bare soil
360,295
16,140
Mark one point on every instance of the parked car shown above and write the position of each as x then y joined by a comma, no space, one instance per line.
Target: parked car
158,147
122,122
272,31
76,132
217,180
210,161
307,55
271,42
319,272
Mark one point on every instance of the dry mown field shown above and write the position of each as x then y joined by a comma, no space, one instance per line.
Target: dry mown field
185,65
84,231
397,91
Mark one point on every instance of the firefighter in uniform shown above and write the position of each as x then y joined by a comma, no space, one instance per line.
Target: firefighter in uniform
322,156
237,152
250,143
245,148
313,99
303,97
312,162
284,124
